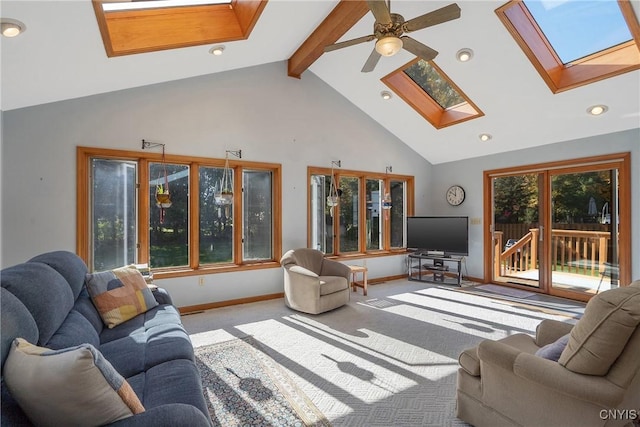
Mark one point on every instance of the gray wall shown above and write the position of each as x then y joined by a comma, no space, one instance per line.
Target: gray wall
297,123
468,173
269,116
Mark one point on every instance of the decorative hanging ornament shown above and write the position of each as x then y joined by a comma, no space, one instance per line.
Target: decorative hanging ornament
224,194
333,198
163,197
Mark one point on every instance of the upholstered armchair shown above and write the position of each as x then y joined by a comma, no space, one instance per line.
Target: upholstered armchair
313,284
582,375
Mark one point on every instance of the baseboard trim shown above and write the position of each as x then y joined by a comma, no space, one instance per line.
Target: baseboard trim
202,307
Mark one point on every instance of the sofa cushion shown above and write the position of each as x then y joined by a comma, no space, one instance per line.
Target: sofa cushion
145,341
120,294
16,322
331,284
43,291
69,265
175,381
598,338
75,330
553,350
67,387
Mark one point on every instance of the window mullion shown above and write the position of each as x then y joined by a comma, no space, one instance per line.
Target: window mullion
194,216
238,195
143,209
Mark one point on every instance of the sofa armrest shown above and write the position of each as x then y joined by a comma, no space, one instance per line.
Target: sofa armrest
591,388
169,415
335,268
498,353
162,296
549,331
299,270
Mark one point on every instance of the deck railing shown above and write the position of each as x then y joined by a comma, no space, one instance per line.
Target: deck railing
573,251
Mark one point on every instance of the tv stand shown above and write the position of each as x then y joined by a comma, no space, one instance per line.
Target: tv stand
444,269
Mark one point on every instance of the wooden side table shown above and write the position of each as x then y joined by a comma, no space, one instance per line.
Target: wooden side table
355,269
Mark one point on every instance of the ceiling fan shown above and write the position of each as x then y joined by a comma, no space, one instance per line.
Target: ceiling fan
389,29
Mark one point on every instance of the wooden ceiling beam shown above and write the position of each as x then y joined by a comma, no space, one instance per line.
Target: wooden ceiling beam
344,16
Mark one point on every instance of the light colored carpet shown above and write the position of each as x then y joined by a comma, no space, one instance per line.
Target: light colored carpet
389,358
504,290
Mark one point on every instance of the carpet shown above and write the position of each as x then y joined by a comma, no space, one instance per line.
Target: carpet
243,386
503,290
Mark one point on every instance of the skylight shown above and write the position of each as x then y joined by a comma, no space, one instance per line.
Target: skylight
430,80
579,28
149,4
429,91
572,43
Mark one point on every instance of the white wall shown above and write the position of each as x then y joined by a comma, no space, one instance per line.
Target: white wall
269,116
468,173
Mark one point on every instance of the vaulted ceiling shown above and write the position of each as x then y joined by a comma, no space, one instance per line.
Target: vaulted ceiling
62,56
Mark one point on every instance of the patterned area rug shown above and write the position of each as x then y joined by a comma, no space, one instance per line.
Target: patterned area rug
243,386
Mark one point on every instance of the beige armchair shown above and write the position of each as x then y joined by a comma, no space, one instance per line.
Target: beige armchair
313,284
594,382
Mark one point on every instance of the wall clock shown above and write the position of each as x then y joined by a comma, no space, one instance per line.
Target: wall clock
455,195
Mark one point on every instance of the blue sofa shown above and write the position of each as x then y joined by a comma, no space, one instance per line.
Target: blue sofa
45,301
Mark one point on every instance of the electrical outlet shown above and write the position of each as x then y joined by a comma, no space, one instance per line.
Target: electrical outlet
476,221
201,280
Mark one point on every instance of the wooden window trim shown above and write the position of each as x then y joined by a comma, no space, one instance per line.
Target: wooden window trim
126,32
83,208
403,86
409,181
558,76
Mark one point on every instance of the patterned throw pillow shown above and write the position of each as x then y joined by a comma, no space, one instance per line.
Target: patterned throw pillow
120,294
71,387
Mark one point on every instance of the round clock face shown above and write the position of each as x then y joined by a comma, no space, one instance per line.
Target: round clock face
455,195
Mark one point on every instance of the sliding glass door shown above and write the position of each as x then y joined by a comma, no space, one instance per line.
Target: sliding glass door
584,240
517,228
560,228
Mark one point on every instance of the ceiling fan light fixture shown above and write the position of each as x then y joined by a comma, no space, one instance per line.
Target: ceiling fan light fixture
388,46
464,55
12,27
217,50
597,110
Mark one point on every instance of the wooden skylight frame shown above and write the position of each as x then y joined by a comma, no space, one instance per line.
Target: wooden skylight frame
126,32
558,76
403,86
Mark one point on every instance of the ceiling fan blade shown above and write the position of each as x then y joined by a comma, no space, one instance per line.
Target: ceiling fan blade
438,16
418,49
372,61
380,11
349,43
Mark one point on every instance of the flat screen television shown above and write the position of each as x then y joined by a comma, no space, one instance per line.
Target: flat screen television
447,234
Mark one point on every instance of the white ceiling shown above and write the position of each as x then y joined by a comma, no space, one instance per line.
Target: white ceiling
61,56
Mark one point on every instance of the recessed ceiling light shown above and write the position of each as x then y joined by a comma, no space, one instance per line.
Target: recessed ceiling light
385,95
596,110
12,27
484,137
216,50
464,55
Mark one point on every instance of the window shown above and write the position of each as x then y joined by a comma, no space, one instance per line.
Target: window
113,217
369,216
574,43
120,222
146,26
429,91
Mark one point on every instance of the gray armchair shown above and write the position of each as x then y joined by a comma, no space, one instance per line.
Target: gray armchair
582,375
313,284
